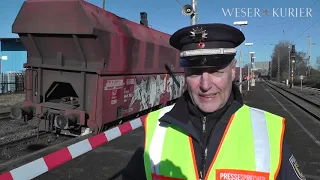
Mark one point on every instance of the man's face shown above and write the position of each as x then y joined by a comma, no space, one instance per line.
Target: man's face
210,88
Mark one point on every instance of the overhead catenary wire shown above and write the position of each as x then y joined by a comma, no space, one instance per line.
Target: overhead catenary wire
309,26
179,3
314,3
306,30
281,22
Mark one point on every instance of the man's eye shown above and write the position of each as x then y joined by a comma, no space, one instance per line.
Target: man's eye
216,72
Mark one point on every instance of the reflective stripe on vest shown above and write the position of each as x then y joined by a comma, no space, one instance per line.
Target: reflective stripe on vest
169,153
152,143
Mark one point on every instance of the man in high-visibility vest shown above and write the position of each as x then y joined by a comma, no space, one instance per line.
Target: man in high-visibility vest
210,133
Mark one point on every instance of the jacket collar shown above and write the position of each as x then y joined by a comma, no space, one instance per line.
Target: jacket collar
177,117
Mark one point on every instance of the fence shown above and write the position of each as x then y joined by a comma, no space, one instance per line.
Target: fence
12,82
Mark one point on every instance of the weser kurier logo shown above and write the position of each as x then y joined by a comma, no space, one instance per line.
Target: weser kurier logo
274,12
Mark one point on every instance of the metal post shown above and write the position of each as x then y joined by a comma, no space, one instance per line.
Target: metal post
240,68
103,3
293,57
292,73
309,56
194,16
289,68
249,65
271,70
278,66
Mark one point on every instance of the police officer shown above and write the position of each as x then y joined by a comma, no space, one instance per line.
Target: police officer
209,133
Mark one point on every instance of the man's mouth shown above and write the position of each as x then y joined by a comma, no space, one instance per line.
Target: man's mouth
208,95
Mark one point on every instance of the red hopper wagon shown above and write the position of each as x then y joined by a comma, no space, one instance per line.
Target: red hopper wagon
88,68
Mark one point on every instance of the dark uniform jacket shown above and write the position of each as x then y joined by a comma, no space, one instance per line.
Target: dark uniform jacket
206,131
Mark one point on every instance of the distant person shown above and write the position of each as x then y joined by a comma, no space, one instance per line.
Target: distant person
210,133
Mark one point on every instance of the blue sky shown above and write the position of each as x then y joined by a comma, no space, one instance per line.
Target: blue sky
166,16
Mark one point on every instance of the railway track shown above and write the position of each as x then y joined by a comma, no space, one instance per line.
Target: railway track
24,146
5,116
34,138
308,106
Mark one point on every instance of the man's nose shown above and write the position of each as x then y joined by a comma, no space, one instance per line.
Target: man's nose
205,82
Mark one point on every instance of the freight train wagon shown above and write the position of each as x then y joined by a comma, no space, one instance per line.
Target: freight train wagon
88,68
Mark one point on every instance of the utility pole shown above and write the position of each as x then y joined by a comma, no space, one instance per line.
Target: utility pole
271,69
249,68
293,56
309,55
103,4
194,16
249,64
289,73
240,23
240,69
278,66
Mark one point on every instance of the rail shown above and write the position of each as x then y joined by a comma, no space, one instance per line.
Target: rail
299,87
33,138
308,106
5,116
24,146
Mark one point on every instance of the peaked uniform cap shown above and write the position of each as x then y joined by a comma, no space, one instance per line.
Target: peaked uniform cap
207,45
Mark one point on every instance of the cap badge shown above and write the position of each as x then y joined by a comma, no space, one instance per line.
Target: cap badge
198,35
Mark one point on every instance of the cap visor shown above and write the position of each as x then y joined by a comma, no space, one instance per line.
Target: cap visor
217,61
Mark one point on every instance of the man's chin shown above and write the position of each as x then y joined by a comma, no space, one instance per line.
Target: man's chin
208,108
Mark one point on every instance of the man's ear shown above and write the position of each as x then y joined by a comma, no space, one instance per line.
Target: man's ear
233,69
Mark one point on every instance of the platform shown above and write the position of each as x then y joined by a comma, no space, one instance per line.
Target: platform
107,161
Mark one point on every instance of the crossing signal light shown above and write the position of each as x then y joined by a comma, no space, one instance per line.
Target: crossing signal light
293,49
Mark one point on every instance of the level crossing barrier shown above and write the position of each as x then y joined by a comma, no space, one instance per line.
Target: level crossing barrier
55,159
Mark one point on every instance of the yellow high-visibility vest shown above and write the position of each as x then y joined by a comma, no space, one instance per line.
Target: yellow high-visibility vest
250,148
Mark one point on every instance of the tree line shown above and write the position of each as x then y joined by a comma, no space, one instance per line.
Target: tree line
281,54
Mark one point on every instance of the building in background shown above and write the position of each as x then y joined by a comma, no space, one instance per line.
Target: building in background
262,68
15,53
12,57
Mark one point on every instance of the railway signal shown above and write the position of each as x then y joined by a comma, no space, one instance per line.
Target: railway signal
292,56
